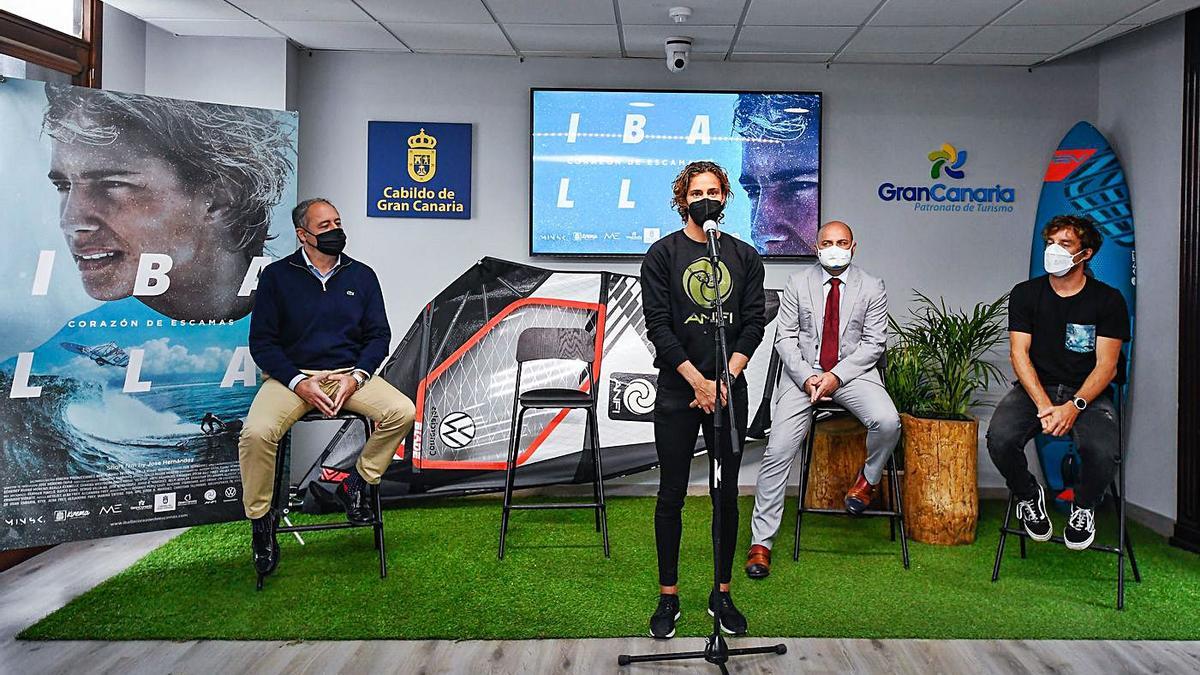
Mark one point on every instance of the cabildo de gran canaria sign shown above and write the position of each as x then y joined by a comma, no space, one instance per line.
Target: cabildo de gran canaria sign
418,170
948,161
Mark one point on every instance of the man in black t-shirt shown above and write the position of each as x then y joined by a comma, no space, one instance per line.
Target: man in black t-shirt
679,293
1066,330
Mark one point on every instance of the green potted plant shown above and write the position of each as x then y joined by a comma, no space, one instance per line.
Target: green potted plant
936,365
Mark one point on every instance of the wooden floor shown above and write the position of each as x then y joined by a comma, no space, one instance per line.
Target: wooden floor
48,581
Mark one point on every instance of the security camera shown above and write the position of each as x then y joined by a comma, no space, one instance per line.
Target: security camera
678,50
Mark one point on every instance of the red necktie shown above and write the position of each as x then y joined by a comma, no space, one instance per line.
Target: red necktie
829,331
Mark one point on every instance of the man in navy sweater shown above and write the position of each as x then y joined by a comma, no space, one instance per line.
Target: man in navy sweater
318,332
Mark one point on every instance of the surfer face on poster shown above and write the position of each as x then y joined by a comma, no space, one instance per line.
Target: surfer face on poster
174,195
780,170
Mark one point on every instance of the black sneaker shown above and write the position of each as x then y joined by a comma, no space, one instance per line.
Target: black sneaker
1080,530
662,622
264,543
732,621
1032,514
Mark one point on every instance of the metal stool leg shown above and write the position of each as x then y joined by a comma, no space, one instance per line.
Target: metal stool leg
379,541
1008,509
596,470
894,477
890,497
601,505
1126,543
1119,499
510,477
805,460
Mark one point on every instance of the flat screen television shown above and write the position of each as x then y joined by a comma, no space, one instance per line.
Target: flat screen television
603,161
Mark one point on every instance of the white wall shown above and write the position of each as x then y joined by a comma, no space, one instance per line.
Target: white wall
880,122
1141,112
236,71
123,56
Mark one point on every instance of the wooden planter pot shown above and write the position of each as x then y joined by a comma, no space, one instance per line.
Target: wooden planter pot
941,495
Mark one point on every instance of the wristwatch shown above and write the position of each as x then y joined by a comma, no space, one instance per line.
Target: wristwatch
1079,402
361,379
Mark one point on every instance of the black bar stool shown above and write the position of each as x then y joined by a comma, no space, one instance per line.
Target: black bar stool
572,344
894,510
1124,545
286,495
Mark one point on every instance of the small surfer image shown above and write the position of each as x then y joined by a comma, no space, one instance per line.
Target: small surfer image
212,425
107,354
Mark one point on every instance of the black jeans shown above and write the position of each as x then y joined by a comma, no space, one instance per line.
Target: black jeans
1095,433
675,429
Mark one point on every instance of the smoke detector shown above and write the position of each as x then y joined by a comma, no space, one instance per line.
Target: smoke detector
680,14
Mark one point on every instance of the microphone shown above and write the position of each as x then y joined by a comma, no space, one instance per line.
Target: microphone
710,231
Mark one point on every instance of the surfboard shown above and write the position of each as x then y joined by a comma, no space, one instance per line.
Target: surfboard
1085,178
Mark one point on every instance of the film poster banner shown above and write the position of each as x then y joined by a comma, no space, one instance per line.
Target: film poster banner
140,225
418,170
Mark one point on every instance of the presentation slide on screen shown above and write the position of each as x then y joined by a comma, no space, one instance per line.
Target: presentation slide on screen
603,163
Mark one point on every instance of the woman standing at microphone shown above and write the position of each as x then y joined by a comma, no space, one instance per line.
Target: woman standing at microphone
679,293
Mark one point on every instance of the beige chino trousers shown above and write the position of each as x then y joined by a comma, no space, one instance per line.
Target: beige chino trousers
276,408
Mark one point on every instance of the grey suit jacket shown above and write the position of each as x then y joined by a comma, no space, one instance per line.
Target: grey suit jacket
863,325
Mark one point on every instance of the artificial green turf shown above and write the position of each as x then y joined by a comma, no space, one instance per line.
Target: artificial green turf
444,581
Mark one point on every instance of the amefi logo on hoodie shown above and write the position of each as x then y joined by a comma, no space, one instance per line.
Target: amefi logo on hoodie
948,161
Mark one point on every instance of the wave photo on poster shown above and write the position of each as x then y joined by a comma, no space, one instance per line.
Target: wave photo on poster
124,366
602,165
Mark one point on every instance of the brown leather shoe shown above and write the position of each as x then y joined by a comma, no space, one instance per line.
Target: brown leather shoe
758,562
859,496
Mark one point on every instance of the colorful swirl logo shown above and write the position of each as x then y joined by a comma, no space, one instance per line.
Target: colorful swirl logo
948,160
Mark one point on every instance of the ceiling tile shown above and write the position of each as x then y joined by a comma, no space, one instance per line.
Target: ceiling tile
248,28
793,39
462,38
908,39
704,12
884,57
1025,39
1103,36
991,59
1070,12
565,38
939,12
558,11
303,10
651,40
178,9
338,34
809,12
1161,10
777,57
424,11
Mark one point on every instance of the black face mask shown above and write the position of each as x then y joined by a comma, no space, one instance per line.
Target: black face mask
704,210
331,242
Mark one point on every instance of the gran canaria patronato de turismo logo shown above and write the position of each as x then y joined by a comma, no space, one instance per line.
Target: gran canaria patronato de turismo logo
948,161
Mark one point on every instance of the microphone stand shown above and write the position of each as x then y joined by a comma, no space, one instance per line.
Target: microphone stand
716,650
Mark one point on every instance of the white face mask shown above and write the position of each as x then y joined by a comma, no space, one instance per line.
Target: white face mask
834,257
1058,260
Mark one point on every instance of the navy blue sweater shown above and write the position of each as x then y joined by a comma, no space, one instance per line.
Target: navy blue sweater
297,323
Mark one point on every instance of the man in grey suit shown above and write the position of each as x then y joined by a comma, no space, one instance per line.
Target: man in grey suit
832,333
